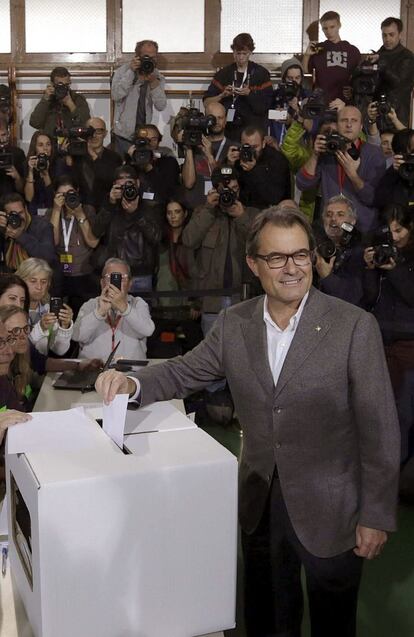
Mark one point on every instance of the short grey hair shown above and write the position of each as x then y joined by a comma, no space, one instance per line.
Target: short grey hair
281,216
115,261
352,211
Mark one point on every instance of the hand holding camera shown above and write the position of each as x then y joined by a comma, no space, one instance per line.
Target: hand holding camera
319,145
324,267
349,164
247,157
14,226
212,197
49,92
115,296
233,155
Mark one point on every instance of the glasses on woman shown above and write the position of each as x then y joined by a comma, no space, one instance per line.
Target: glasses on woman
10,340
18,331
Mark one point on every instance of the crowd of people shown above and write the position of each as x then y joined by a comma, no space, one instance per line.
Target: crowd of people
88,230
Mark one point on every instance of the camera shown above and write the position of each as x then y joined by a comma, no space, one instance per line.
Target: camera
318,47
56,304
14,220
142,154
42,161
326,248
366,78
129,191
72,199
383,105
195,125
6,157
384,248
247,152
406,170
147,65
77,136
61,90
285,92
335,142
227,197
315,106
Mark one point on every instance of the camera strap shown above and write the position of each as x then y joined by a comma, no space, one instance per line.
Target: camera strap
220,149
66,232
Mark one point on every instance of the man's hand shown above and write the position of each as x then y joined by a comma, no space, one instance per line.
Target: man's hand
14,233
236,210
228,91
311,48
49,91
372,111
103,304
369,254
207,147
130,206
65,317
248,165
90,363
349,165
3,222
233,154
111,383
12,172
11,417
319,145
115,194
117,298
271,141
323,268
369,542
212,197
374,57
397,161
135,63
337,104
242,91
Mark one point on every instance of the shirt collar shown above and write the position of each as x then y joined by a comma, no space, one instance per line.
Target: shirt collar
293,323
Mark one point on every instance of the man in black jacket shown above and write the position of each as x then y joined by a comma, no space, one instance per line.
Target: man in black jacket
264,175
396,65
129,230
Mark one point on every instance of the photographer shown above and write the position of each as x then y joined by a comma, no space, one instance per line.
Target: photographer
12,165
333,61
244,88
217,232
342,163
396,66
287,98
129,230
397,185
93,170
264,175
74,241
22,235
114,316
339,253
136,88
60,107
158,174
200,160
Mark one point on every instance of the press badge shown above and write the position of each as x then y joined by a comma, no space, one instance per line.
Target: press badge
208,185
230,114
148,195
66,258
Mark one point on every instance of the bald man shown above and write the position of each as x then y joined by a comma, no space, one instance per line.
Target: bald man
353,170
95,170
202,160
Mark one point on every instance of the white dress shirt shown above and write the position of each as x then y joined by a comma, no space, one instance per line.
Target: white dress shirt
278,340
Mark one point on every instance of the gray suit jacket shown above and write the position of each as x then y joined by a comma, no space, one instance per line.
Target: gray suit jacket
329,426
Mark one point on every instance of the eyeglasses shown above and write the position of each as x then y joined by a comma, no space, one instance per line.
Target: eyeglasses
99,131
10,340
124,277
275,260
17,331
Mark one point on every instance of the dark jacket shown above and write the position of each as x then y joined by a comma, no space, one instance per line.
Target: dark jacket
96,177
390,296
393,190
49,114
37,240
133,237
250,109
345,280
397,78
268,182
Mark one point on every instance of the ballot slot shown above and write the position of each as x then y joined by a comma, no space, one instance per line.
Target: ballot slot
22,529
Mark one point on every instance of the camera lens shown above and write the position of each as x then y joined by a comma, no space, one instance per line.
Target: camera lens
72,199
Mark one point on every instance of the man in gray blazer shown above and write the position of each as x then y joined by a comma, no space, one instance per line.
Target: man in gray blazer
320,461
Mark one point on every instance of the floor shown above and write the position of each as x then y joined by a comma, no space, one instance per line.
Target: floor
386,604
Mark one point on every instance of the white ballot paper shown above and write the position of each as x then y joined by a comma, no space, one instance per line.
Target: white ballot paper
114,416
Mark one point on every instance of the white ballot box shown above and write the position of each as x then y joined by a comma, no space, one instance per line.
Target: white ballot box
105,542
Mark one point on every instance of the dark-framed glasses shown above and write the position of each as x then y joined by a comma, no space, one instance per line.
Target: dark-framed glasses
17,331
276,260
10,340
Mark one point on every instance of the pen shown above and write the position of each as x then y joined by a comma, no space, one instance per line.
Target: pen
4,553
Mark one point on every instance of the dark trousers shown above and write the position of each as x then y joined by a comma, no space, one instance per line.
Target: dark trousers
273,556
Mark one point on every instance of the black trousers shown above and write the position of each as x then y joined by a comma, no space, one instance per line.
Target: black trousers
273,556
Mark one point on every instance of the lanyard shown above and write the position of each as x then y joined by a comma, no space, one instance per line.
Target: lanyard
341,177
67,232
114,327
245,76
220,149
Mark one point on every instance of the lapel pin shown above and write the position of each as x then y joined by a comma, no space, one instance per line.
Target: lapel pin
318,328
